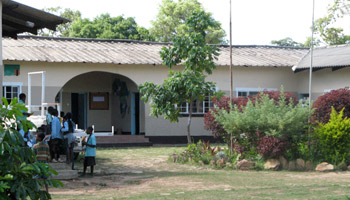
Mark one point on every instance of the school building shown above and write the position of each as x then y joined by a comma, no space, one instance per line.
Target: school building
97,79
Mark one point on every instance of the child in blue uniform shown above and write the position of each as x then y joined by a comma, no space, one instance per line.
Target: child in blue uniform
90,152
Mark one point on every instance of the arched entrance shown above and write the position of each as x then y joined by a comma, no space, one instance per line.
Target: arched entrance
104,100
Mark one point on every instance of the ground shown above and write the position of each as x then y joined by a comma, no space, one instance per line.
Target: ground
147,173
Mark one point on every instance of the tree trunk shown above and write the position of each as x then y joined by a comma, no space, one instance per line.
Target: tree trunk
189,141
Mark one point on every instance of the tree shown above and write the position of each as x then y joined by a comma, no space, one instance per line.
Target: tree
172,17
287,42
103,27
106,27
18,168
62,29
325,26
197,57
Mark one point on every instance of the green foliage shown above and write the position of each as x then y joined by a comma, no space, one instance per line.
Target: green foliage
172,19
178,88
106,27
264,116
287,42
334,138
62,30
188,85
325,26
17,163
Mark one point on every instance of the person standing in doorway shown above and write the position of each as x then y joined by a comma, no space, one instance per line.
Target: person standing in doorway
90,152
56,137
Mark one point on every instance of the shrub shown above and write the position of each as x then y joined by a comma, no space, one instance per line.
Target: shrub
334,138
224,103
271,147
17,163
339,99
264,117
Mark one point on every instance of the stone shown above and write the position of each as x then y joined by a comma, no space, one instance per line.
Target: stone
349,167
244,164
200,162
291,165
229,164
324,167
308,166
272,164
300,164
220,163
284,162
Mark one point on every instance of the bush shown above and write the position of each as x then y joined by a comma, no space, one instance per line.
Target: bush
334,138
224,103
271,147
338,99
265,117
17,163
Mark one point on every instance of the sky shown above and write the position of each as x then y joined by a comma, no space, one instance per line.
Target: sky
254,22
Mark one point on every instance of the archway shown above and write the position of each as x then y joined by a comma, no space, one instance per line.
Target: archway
104,100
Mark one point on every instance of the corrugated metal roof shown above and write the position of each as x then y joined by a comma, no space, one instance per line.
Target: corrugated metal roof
44,49
326,57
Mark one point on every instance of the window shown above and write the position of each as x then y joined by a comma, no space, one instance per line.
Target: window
11,90
11,70
198,107
245,92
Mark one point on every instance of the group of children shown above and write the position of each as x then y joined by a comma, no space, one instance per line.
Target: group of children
57,137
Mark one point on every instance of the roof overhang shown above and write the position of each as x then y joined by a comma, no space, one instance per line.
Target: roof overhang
19,18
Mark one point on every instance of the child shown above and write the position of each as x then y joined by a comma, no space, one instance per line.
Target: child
56,137
68,132
42,152
90,152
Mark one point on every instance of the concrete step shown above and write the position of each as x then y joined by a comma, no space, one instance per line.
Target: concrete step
122,141
65,174
60,166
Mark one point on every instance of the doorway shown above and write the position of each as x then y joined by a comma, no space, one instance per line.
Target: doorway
135,113
79,109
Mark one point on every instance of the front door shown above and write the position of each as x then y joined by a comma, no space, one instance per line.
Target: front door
79,109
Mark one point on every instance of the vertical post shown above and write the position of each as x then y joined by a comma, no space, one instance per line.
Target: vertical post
231,78
112,130
1,63
311,51
29,93
93,127
42,92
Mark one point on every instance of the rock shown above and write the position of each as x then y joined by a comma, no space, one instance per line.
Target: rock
200,162
220,163
308,165
291,165
272,164
324,166
284,162
300,164
349,167
229,164
244,164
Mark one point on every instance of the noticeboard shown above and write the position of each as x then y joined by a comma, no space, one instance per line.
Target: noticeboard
99,101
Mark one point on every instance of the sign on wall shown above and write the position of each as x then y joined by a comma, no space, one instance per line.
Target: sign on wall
99,101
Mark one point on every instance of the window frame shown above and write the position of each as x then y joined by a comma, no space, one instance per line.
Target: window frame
12,84
205,109
249,90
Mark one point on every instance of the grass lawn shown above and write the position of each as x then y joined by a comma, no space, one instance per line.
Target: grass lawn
146,173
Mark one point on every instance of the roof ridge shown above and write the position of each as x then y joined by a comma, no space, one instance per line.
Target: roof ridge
146,42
